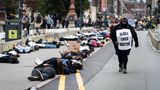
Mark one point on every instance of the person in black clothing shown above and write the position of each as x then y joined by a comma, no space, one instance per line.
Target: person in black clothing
63,23
42,73
49,68
9,57
67,23
122,36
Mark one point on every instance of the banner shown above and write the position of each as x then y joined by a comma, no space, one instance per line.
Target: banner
124,39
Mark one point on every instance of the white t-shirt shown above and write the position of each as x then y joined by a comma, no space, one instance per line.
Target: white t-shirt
124,39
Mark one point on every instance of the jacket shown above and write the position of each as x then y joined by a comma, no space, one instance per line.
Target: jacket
114,37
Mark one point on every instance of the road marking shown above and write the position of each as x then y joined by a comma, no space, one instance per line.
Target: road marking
62,82
78,78
79,81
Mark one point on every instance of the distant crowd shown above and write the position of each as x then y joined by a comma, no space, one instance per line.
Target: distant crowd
37,21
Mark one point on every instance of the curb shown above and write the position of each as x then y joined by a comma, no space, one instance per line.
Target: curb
150,42
155,42
43,83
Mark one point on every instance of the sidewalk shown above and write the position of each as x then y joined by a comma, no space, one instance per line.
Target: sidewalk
55,33
50,31
154,37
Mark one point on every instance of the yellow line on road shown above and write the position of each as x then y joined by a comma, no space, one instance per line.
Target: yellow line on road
62,82
79,81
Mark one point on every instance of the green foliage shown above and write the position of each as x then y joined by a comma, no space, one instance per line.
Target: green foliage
85,5
59,6
10,7
52,6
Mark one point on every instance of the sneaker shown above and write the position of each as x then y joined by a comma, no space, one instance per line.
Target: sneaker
120,69
124,71
40,75
33,78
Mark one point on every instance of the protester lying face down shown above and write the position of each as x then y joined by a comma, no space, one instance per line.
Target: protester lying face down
32,44
42,73
62,66
46,44
122,36
22,48
9,57
71,55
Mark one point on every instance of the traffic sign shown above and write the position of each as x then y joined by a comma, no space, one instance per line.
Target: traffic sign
12,34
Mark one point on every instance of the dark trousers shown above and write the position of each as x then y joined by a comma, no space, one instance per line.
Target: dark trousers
47,72
49,26
37,31
123,59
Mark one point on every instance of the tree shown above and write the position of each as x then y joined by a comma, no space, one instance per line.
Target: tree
52,6
10,7
85,5
59,6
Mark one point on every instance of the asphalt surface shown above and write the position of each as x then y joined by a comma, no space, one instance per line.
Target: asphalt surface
100,70
143,70
91,66
14,76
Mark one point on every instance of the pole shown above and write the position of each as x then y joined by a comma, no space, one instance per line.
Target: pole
20,15
96,8
122,5
81,14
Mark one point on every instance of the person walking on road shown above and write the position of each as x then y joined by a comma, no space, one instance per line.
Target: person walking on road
122,36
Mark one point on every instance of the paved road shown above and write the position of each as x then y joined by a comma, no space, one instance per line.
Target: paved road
100,70
91,66
14,76
143,71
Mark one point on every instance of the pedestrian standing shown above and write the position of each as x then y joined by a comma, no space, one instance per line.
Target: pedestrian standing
63,22
122,36
31,21
66,23
38,23
49,22
113,24
25,22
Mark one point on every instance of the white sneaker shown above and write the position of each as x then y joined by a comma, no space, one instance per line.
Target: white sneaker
38,61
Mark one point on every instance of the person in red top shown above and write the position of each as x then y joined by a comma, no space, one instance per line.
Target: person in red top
113,24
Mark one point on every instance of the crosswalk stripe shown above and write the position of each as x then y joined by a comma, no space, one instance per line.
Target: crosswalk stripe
62,82
79,81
